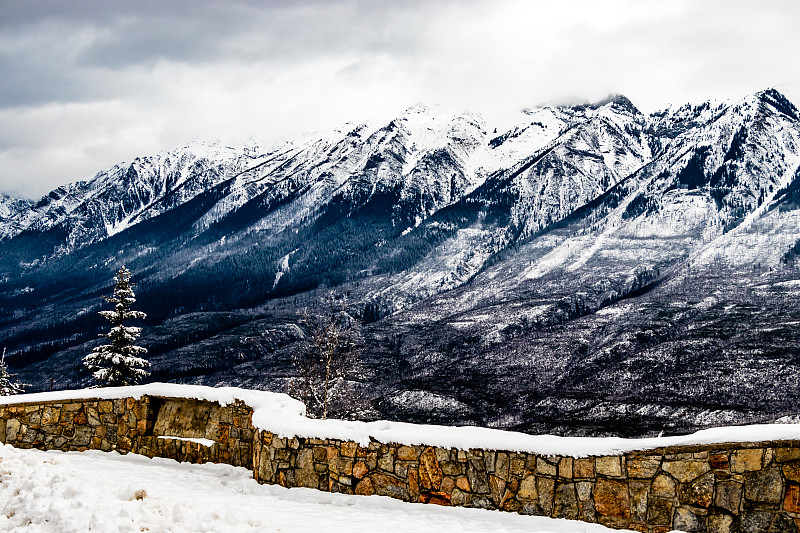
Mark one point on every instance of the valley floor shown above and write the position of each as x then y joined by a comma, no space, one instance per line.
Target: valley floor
96,491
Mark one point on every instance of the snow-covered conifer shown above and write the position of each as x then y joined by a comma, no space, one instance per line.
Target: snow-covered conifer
119,363
8,385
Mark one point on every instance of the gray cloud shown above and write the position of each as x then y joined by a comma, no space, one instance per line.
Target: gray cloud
89,83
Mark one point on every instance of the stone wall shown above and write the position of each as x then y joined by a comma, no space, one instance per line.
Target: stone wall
741,488
744,488
134,425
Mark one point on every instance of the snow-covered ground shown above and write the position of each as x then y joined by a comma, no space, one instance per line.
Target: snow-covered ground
105,492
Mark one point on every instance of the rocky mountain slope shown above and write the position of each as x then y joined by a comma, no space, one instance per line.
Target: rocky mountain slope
589,270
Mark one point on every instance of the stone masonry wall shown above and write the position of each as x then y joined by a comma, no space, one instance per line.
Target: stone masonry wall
743,488
726,488
127,425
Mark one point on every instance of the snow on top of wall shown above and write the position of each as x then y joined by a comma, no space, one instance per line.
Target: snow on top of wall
285,416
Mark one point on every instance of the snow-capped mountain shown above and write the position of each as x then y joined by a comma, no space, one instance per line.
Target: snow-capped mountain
547,259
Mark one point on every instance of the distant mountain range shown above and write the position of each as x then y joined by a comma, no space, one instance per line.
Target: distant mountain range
590,270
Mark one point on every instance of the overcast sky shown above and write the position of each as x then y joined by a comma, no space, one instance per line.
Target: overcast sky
86,84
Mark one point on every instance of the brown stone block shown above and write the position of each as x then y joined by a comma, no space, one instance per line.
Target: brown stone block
565,467
497,487
413,485
611,498
783,455
430,473
517,464
80,418
436,498
699,492
448,484
791,502
659,512
609,466
349,449
384,485
463,484
502,465
643,467
565,504
364,488
545,467
639,493
721,523
406,453
792,471
685,470
583,468
545,487
641,528
360,470
719,461
747,460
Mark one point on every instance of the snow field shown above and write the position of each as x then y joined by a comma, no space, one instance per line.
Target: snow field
107,492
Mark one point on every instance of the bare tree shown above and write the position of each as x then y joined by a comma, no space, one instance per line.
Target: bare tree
326,359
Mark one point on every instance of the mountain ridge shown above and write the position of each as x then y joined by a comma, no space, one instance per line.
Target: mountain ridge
473,259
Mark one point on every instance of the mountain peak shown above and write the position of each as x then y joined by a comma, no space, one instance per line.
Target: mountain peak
777,100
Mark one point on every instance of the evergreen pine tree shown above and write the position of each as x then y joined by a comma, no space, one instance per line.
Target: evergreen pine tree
118,364
8,385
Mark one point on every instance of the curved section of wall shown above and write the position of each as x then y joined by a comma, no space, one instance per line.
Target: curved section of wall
742,488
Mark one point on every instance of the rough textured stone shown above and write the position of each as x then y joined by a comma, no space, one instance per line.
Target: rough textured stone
430,473
565,503
384,485
764,486
545,467
476,474
583,468
792,471
497,487
664,486
546,489
565,467
783,455
757,522
719,461
713,485
644,467
584,490
728,496
687,519
699,492
611,498
748,460
608,466
639,492
791,501
721,523
12,429
685,471
527,489
305,475
659,512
